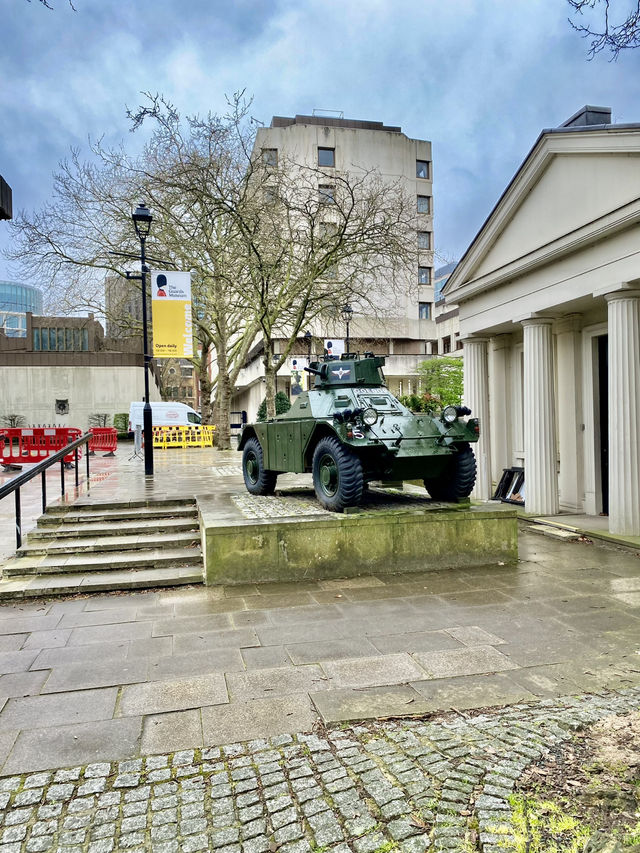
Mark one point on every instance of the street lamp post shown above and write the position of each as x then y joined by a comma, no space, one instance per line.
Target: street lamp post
347,314
142,219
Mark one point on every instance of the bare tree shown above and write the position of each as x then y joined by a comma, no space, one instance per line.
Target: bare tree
604,27
268,251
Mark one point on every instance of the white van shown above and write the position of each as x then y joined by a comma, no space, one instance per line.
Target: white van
163,414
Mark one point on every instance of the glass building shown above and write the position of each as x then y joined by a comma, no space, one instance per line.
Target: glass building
15,300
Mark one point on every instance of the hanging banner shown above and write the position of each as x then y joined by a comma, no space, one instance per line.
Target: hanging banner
171,314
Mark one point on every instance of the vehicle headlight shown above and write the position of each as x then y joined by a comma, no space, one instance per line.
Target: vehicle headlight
370,416
450,414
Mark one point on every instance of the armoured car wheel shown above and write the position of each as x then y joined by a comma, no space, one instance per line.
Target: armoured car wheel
458,480
257,480
337,475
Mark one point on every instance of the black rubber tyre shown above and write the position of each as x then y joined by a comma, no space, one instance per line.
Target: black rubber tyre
257,480
337,475
458,480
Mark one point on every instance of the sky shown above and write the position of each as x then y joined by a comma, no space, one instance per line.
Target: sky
478,78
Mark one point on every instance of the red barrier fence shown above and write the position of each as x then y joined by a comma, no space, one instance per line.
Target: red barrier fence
25,445
104,438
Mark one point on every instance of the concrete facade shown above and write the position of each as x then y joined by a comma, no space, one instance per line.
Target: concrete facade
409,327
552,284
83,374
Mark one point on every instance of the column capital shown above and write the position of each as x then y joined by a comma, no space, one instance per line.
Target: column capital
474,339
631,293
535,320
568,323
619,288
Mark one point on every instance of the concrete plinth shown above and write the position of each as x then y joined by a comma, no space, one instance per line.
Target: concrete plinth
300,541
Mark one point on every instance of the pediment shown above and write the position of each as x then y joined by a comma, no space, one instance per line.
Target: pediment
566,187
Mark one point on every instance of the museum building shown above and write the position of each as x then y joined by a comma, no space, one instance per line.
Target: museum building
549,308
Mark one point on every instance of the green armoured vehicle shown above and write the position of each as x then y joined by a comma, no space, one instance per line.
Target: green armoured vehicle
349,429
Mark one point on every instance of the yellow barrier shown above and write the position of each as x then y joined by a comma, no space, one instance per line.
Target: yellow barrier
183,436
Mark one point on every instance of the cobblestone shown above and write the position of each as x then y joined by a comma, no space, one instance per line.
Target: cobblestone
404,786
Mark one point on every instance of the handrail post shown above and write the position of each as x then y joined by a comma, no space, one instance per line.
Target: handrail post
62,476
44,491
87,455
75,459
18,519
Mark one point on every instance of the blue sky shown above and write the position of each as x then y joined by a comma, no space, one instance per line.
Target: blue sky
479,78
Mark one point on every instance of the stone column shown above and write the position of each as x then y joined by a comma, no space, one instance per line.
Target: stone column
624,412
540,454
476,397
570,426
501,405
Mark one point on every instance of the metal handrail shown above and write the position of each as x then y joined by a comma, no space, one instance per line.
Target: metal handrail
16,483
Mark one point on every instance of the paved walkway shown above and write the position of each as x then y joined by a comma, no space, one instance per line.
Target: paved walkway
138,692
408,786
118,676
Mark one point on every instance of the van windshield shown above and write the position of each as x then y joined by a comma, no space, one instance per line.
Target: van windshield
193,418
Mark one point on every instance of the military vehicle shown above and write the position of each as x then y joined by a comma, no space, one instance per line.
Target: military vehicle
349,430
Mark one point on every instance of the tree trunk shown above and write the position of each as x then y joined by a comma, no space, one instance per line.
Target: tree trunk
206,386
270,382
223,408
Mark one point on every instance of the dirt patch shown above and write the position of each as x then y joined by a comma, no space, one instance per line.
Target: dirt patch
585,796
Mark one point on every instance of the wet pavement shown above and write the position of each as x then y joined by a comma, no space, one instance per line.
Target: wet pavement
137,693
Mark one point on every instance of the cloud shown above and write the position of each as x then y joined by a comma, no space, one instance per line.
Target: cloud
478,79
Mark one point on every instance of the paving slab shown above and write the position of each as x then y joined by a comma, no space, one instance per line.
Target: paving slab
266,657
22,683
158,697
65,746
373,671
94,652
418,641
36,712
174,731
82,676
17,661
330,650
240,638
344,705
198,663
476,692
470,661
279,681
259,718
110,633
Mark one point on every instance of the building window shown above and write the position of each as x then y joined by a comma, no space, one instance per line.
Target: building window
458,342
62,407
424,275
422,169
424,310
446,345
187,371
327,193
424,204
270,195
36,340
424,239
270,156
327,157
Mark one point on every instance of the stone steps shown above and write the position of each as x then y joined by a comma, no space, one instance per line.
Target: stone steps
91,546
87,562
31,586
105,528
93,514
116,542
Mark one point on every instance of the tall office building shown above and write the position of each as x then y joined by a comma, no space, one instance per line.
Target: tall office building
334,147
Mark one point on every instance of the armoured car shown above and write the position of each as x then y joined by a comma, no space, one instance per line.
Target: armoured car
349,430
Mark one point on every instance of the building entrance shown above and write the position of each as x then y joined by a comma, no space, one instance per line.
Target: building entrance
603,414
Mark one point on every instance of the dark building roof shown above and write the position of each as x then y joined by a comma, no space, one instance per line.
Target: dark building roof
286,121
6,207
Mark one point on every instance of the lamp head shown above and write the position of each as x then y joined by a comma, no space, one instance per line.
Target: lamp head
142,219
